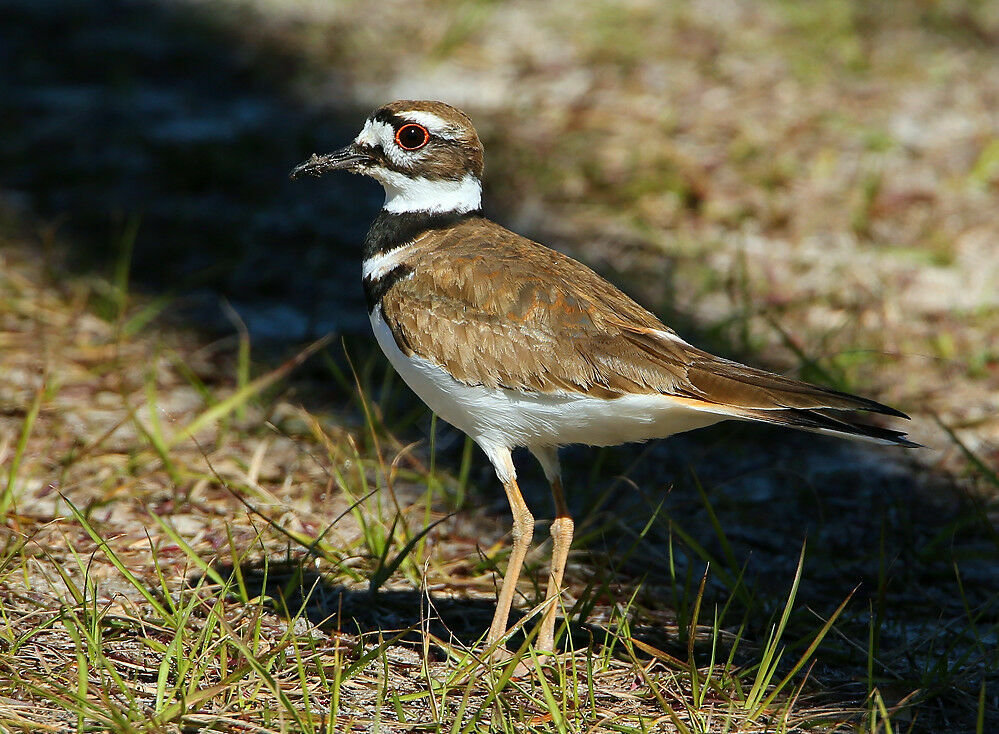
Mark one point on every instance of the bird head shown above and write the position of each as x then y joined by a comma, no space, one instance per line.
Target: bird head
426,155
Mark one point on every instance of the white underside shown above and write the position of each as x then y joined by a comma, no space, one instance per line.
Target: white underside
501,418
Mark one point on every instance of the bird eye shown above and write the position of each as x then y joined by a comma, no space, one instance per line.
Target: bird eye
411,137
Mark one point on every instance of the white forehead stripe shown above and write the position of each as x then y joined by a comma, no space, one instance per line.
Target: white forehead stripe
376,132
404,193
436,125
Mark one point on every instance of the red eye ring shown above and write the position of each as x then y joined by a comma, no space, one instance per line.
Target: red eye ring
412,136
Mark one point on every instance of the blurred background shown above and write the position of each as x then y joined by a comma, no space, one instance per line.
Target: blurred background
811,187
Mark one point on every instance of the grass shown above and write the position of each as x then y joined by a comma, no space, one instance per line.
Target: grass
207,555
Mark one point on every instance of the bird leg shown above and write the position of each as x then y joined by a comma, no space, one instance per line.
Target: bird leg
561,530
523,531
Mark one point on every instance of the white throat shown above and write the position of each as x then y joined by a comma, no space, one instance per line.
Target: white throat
405,194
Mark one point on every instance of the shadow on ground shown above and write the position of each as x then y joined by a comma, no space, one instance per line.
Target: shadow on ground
122,113
293,591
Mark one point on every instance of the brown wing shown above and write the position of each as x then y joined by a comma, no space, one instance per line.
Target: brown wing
496,309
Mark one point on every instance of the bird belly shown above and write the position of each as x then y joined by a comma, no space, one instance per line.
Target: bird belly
515,418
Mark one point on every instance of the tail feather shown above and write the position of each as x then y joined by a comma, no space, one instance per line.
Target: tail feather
825,422
736,390
751,388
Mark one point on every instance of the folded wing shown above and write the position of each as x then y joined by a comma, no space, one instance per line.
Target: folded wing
498,310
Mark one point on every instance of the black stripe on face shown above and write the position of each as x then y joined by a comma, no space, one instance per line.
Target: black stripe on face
390,118
418,168
407,169
443,158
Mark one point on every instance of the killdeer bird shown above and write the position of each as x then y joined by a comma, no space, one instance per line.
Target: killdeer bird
519,345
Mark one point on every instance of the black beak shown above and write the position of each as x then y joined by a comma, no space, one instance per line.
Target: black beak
345,159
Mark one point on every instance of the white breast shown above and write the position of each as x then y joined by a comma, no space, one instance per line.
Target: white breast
502,417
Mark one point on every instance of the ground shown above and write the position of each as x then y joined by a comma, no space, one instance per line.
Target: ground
215,520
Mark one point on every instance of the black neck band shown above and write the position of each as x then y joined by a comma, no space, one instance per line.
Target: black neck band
391,230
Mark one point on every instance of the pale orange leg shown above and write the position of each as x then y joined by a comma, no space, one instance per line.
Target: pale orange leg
523,531
561,530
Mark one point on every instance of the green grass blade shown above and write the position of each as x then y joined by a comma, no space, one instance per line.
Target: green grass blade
242,395
807,654
772,651
385,571
162,611
7,498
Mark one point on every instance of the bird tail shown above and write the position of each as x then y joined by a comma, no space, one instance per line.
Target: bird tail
832,422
